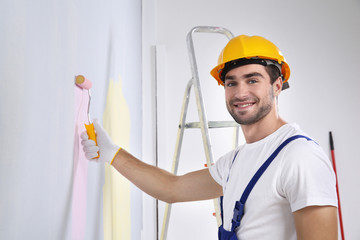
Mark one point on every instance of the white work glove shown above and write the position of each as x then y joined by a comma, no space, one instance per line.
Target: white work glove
105,148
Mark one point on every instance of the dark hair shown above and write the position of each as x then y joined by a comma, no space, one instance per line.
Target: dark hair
271,67
273,72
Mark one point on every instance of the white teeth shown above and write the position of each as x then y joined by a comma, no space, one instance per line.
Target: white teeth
245,105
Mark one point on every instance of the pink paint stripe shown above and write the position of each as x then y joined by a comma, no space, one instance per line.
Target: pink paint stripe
78,211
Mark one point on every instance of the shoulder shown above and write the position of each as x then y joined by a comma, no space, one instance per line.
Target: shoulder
307,177
299,144
302,157
302,150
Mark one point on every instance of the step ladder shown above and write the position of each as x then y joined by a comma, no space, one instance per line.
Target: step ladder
203,123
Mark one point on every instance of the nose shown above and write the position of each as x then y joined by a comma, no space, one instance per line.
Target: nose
241,90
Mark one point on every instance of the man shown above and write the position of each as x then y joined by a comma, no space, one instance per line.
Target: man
294,196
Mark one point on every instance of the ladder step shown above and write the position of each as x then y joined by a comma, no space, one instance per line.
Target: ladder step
213,124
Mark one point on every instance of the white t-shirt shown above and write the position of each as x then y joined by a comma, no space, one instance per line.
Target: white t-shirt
300,176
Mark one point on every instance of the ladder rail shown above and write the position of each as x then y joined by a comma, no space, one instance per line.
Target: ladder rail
203,124
197,89
181,126
175,163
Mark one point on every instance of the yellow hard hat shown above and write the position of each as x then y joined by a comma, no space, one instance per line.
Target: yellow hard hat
250,47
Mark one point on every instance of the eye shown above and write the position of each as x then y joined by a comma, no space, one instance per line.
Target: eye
229,84
252,81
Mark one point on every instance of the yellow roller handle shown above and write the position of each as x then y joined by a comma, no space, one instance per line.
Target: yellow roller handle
91,133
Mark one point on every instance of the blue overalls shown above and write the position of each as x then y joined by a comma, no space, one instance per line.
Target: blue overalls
239,205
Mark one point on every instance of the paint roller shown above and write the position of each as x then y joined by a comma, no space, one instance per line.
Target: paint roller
86,84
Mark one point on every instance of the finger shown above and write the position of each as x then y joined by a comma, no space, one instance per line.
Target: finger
91,155
91,149
84,136
88,143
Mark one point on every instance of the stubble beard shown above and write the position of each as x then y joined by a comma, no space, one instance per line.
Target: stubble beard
264,109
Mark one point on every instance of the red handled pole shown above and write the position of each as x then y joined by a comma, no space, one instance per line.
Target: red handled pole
337,185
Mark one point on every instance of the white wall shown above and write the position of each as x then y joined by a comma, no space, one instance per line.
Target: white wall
43,45
149,110
320,40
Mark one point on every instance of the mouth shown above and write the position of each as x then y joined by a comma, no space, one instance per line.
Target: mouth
243,106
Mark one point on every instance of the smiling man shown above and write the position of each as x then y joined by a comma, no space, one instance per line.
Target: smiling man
247,109
278,185
250,99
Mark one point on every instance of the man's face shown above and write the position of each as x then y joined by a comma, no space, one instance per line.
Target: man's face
249,94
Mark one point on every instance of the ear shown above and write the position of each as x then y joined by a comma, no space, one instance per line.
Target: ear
277,86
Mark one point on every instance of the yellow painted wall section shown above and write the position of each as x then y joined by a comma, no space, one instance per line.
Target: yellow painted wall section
116,190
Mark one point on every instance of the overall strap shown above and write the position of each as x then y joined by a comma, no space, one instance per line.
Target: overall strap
239,205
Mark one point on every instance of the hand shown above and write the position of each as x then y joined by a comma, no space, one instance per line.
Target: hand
106,148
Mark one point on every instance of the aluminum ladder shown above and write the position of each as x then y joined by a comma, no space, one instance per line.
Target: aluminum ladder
203,123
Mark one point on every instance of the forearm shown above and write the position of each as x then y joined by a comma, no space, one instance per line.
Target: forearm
165,186
156,182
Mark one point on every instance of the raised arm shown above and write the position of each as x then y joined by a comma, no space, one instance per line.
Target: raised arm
160,184
198,185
